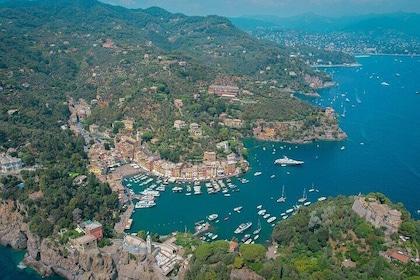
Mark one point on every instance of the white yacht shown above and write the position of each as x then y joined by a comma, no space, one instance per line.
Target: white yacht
285,161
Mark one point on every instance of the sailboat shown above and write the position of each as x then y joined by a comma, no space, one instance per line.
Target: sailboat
282,198
343,115
358,99
257,231
312,189
303,198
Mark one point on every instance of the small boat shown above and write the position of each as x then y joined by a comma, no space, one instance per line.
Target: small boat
303,198
259,206
258,173
176,189
257,231
212,217
145,204
271,219
226,218
285,217
322,198
246,237
307,203
21,265
266,216
272,176
262,212
312,189
227,194
238,209
248,241
384,84
256,237
290,210
283,197
342,148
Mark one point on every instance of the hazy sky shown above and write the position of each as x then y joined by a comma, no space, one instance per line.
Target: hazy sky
234,8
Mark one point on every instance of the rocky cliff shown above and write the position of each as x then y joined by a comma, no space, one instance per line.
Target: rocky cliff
12,227
49,257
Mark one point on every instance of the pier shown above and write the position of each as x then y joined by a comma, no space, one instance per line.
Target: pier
200,227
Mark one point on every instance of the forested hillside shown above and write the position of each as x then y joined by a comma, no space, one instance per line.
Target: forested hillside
127,64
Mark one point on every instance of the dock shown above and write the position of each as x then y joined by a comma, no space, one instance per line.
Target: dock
199,229
128,224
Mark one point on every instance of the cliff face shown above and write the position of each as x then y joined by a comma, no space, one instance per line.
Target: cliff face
48,257
12,228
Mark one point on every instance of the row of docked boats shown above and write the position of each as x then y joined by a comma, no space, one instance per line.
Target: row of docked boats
212,187
265,215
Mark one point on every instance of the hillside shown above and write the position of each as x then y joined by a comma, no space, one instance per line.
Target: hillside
327,240
53,51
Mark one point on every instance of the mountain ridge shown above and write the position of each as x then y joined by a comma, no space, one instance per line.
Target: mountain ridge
310,22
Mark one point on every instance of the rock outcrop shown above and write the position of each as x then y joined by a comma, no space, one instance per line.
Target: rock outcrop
12,228
50,257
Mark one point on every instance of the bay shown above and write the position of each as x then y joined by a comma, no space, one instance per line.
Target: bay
381,154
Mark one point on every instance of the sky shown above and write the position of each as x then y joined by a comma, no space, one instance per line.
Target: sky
282,8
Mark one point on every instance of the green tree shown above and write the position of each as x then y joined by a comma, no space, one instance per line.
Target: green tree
407,229
239,262
252,252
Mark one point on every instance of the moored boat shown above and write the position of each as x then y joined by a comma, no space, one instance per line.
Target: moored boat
212,217
238,209
271,219
285,161
242,227
303,198
283,197
262,212
246,237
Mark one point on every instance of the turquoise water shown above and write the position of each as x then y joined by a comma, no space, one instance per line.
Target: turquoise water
9,260
380,155
386,121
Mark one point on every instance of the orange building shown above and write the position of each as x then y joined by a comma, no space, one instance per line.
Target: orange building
95,229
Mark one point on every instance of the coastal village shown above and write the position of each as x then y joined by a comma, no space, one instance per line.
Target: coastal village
129,158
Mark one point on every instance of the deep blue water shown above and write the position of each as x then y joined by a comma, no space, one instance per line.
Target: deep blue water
386,122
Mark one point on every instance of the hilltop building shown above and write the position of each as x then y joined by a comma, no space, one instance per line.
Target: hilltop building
222,90
380,215
9,163
84,243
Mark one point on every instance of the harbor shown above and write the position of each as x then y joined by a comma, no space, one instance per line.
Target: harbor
327,170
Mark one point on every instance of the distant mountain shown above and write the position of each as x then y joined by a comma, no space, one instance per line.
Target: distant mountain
402,22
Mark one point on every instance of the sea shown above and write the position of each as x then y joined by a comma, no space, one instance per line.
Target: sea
378,106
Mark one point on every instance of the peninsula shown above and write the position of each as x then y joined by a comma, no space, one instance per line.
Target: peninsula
87,87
